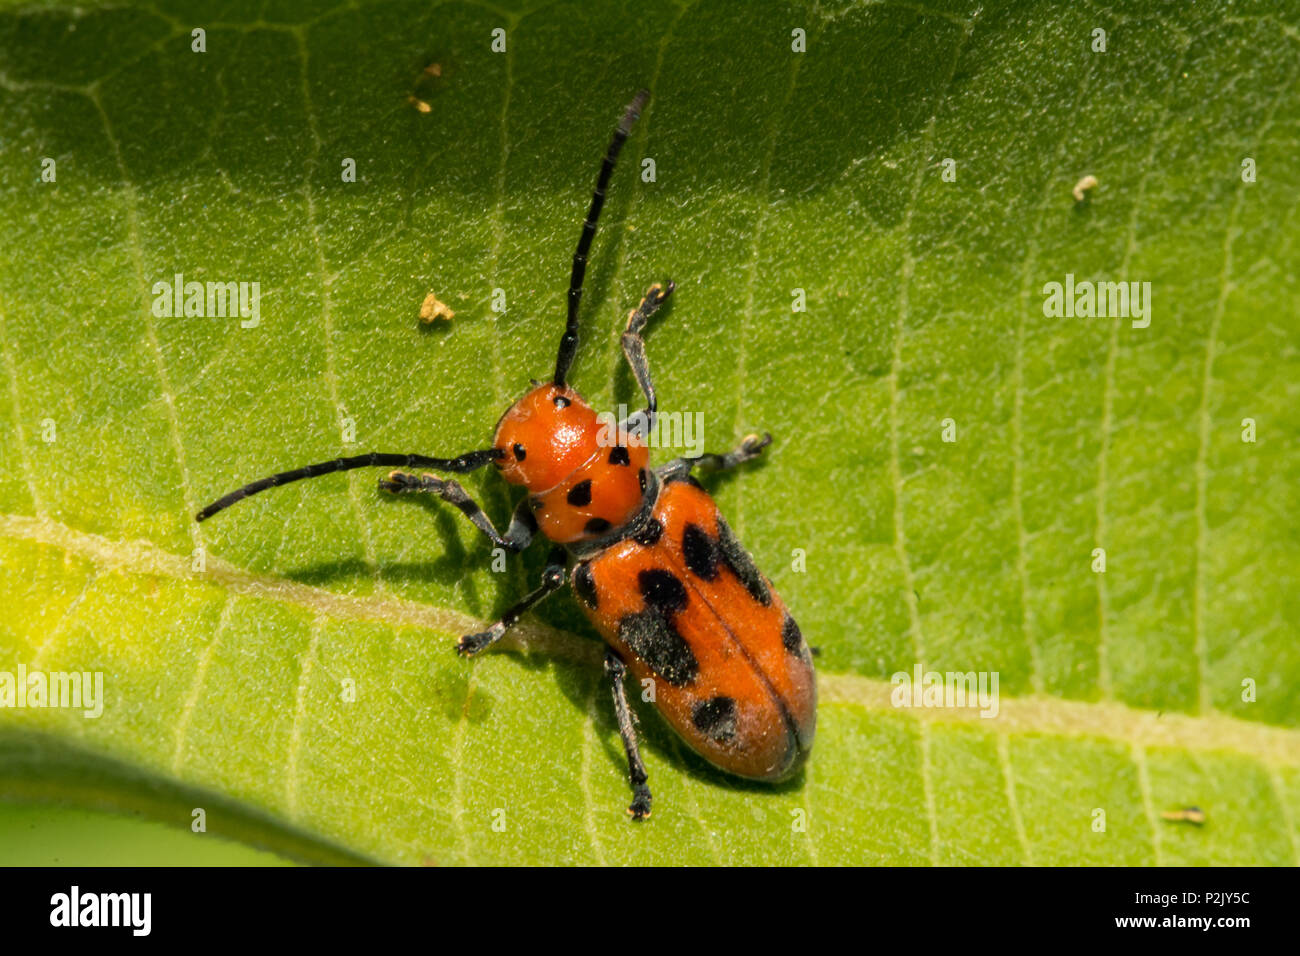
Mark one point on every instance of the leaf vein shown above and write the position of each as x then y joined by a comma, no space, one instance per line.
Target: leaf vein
322,269
151,331
1108,388
1203,418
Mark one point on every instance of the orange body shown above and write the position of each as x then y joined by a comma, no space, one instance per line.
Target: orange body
678,598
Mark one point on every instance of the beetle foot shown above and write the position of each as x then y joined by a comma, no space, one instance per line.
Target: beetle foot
471,644
398,481
640,808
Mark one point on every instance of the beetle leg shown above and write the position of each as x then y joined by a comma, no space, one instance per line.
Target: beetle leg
616,669
749,449
634,345
553,576
522,524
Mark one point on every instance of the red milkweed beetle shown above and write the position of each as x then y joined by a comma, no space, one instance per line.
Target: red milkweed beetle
659,573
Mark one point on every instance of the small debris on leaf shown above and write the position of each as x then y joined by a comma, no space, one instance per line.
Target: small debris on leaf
432,309
1193,815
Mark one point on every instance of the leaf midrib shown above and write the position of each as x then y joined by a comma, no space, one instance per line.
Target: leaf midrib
1111,720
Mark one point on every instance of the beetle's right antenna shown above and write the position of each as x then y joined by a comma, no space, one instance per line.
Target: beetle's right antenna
464,463
569,343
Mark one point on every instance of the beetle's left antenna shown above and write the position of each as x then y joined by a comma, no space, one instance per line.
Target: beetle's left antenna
569,343
464,463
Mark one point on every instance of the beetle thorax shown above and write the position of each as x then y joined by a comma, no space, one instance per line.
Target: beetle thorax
584,476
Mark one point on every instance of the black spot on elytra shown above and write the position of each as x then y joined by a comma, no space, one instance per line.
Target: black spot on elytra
715,718
742,565
580,494
662,590
618,456
650,534
597,526
585,586
520,453
561,402
651,636
701,552
535,503
791,637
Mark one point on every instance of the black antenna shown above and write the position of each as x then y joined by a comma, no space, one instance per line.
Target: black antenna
569,343
466,462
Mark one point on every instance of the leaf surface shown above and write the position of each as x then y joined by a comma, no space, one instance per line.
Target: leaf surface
775,173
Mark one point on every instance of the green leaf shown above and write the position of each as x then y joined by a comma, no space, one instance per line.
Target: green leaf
775,171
